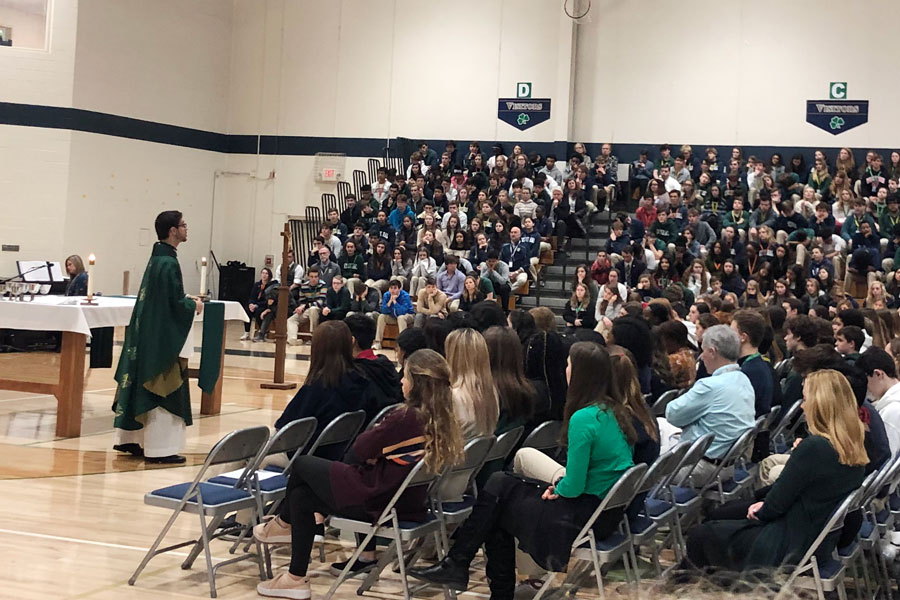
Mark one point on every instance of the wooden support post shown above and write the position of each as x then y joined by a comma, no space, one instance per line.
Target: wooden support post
281,318
70,391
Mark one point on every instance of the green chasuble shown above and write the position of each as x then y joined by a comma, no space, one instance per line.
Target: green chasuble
150,373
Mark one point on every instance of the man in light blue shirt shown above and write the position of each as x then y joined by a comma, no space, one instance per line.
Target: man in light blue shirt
722,404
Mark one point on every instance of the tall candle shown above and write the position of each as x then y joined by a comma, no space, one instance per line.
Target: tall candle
203,276
90,271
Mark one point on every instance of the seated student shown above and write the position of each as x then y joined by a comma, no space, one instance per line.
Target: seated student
396,308
497,272
378,270
853,222
721,404
257,303
337,301
424,267
365,300
848,341
421,429
599,430
310,300
377,368
579,311
472,294
884,389
432,302
475,401
515,393
333,385
450,281
822,470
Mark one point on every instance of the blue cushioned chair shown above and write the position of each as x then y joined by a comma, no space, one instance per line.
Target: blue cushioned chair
212,501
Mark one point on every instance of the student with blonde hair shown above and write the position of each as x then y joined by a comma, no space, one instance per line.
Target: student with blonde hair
475,401
822,471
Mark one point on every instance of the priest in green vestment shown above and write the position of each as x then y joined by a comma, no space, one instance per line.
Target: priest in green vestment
153,404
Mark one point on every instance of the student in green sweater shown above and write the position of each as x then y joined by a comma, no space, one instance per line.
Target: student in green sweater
598,434
737,217
822,471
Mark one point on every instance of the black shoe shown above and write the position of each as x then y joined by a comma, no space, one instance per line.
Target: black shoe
447,572
132,449
359,567
172,459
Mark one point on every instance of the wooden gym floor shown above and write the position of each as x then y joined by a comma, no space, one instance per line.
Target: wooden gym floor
74,524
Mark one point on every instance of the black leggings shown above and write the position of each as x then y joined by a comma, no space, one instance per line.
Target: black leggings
309,491
256,315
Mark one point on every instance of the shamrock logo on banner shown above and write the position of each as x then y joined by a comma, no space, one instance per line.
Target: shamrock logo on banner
836,122
523,119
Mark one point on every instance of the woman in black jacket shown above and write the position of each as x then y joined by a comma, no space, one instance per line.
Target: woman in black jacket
379,267
257,302
579,312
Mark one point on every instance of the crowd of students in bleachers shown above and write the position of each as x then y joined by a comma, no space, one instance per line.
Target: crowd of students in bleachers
684,316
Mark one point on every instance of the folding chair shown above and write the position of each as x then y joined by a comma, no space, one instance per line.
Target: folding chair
272,483
643,527
210,500
505,444
460,476
659,407
687,501
587,547
545,437
381,414
722,487
388,524
827,572
334,441
780,437
662,511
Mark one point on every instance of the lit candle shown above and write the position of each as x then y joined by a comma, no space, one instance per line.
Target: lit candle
203,276
90,271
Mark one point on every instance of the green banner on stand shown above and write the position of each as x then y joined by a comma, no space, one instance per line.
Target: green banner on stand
211,350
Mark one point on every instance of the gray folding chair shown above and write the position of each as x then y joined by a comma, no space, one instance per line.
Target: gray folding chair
659,407
504,445
211,500
599,553
336,439
545,437
779,437
687,500
728,480
645,527
657,504
339,434
388,524
381,414
271,487
826,571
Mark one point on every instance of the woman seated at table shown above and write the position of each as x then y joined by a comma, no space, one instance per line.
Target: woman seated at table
78,277
423,428
598,432
823,469
257,303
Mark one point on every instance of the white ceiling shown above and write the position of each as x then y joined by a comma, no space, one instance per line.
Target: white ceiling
34,7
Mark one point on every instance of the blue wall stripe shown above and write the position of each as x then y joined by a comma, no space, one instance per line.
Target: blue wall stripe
76,119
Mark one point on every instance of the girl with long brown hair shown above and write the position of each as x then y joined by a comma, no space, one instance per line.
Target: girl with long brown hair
545,517
422,429
516,394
